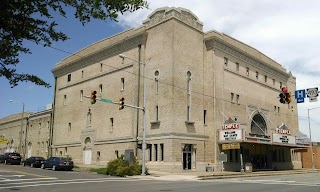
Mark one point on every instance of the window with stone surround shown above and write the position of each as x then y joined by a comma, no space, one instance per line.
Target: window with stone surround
247,71
101,67
81,95
225,61
204,117
100,88
111,125
64,99
122,83
98,155
189,96
161,152
156,152
69,77
238,99
237,66
156,74
257,75
232,97
265,78
273,82
69,127
82,74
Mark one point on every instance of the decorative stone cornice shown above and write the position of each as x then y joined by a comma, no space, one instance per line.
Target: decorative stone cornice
161,15
215,44
103,53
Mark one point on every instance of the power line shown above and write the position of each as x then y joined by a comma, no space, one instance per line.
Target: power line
148,78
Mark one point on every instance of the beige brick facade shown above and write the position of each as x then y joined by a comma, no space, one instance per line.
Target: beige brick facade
187,82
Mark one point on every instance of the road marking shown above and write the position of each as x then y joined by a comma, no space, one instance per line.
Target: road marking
65,182
30,179
269,182
32,174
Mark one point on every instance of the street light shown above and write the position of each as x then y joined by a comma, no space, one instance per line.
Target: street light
20,145
144,114
311,147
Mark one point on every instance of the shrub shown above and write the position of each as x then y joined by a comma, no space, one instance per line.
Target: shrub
119,167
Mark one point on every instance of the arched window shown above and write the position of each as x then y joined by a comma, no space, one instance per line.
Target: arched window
258,125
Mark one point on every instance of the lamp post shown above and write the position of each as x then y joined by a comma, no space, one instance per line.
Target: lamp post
22,115
144,115
311,147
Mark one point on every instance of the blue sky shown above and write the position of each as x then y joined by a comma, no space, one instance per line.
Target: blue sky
287,31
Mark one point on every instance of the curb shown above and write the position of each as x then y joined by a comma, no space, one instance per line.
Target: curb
209,177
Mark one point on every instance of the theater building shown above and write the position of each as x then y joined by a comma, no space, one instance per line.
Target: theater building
206,94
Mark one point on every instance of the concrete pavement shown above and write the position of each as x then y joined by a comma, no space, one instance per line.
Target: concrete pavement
193,175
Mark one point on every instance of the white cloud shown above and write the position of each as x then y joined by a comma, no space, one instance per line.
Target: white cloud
287,31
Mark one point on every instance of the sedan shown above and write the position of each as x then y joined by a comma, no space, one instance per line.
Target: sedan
57,163
33,161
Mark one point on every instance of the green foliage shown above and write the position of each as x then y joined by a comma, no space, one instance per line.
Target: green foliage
119,167
34,21
99,170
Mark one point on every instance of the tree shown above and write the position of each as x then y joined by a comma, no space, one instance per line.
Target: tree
32,20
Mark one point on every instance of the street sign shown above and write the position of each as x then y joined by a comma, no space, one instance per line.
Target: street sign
313,99
105,100
222,157
298,94
230,146
312,92
300,100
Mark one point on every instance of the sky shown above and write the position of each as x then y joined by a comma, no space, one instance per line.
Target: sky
287,31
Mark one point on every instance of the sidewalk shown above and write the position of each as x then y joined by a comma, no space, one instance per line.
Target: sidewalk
193,175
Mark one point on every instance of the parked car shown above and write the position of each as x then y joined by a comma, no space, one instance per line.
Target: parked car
1,158
57,163
12,158
33,161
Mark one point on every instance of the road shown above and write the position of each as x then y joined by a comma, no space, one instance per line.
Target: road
26,179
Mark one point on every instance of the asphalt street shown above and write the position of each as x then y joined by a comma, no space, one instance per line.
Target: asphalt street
18,178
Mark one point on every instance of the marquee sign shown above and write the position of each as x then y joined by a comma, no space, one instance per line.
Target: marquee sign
230,124
284,139
230,135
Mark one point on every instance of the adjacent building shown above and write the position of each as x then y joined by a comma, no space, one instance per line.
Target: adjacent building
27,133
209,98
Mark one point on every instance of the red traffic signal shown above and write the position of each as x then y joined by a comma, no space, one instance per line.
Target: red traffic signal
93,97
284,89
121,103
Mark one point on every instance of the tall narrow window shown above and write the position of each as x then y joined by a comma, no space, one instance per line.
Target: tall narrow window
156,152
232,97
81,74
275,108
81,95
204,117
226,61
100,88
237,66
189,95
64,99
237,98
150,154
47,145
257,75
156,74
69,127
278,109
101,66
39,128
122,83
69,77
48,125
111,124
273,82
66,151
280,85
265,78
247,71
161,152
116,152
98,155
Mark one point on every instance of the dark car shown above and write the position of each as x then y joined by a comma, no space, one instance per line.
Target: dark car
33,161
12,158
1,158
57,163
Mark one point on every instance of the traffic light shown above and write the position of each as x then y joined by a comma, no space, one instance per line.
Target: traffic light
288,97
121,103
282,98
93,97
